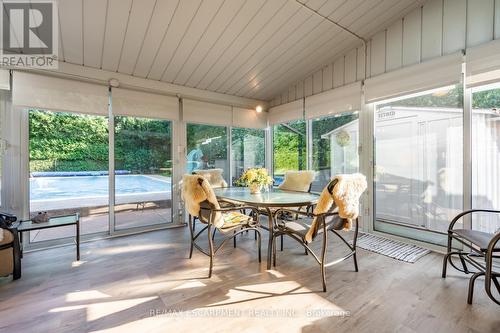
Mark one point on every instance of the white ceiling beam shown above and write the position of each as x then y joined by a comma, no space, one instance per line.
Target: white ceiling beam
83,73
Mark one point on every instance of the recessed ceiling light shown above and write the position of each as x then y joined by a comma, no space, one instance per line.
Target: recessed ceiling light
258,109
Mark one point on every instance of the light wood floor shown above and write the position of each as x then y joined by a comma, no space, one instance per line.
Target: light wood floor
121,282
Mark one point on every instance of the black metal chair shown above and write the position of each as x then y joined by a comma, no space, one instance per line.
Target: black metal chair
249,224
298,229
10,249
219,219
288,216
481,249
222,183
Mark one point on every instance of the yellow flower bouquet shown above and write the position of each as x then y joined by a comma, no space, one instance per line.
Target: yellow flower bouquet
255,179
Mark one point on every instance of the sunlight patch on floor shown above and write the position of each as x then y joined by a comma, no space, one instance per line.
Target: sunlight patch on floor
189,285
103,309
77,263
275,273
85,295
132,248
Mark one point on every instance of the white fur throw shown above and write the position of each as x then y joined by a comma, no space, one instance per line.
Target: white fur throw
195,190
298,180
214,177
344,191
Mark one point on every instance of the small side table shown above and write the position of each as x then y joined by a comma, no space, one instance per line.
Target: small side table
53,222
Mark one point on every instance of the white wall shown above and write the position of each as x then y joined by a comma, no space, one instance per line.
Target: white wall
438,28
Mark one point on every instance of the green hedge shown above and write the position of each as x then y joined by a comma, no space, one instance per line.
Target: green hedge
69,142
54,165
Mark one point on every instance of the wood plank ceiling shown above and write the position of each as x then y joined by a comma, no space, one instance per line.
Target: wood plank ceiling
250,48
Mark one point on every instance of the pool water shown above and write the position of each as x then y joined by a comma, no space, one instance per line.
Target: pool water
52,188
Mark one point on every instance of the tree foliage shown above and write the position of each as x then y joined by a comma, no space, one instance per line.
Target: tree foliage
289,146
211,139
69,142
249,142
290,143
321,147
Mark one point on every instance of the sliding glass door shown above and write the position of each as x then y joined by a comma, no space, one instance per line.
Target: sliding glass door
143,172
207,148
486,156
247,150
68,170
289,148
419,157
335,143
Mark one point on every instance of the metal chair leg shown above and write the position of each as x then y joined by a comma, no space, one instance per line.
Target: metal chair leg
445,265
446,257
488,287
259,243
281,242
464,265
489,274
211,252
274,250
354,241
270,239
323,256
471,286
234,242
191,231
17,253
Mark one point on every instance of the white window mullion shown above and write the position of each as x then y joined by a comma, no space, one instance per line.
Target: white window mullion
111,162
179,144
367,162
309,145
467,153
230,154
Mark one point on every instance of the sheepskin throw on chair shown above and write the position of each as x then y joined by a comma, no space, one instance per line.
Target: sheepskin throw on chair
195,190
344,191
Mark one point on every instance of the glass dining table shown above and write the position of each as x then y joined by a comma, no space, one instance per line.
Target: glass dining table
269,201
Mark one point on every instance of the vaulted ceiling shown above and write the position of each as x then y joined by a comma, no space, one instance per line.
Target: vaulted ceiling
249,48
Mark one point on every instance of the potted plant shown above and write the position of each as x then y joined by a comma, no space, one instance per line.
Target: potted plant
255,179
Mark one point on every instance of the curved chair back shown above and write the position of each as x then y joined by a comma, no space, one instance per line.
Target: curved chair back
298,180
214,177
196,191
343,193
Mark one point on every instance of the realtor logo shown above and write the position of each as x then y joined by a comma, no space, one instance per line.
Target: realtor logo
29,34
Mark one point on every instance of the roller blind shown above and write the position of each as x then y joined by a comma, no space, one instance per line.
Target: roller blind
286,112
483,64
4,79
206,113
334,101
141,104
56,94
248,118
431,74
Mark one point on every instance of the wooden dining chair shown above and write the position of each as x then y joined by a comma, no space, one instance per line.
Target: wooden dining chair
201,202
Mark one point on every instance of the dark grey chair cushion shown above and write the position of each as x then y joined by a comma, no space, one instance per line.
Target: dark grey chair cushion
478,238
301,227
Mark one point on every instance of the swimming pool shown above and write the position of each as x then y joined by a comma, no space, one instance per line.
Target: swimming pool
65,192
